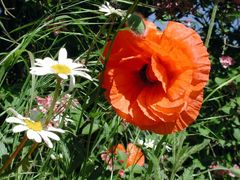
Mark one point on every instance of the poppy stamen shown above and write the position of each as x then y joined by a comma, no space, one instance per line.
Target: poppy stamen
143,74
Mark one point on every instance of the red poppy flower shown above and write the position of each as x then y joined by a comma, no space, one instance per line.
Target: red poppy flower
155,81
134,155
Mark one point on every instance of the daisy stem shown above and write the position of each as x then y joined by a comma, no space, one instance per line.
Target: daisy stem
14,154
213,16
55,96
22,161
28,154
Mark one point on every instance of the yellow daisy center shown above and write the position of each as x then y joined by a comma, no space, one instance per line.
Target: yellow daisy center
61,69
35,126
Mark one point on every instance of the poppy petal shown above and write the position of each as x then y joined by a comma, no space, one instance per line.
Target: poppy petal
135,155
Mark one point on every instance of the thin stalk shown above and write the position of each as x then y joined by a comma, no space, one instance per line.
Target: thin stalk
87,58
210,28
14,154
34,146
96,38
219,87
55,96
22,161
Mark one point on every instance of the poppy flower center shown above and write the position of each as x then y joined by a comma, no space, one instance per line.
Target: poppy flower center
144,75
35,126
61,69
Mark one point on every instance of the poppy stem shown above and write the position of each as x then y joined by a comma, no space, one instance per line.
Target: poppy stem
14,154
210,28
55,96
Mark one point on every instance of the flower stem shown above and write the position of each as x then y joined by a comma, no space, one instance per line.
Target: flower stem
213,16
28,154
55,96
22,161
15,153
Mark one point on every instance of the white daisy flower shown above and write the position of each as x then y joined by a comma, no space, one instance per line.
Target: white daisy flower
167,146
35,129
64,67
108,10
149,143
140,142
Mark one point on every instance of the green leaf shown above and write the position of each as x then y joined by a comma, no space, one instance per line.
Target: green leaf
235,171
136,169
86,129
226,109
236,134
219,81
122,156
136,23
238,101
204,131
156,167
3,149
187,174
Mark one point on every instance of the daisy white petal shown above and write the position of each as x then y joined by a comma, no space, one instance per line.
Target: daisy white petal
19,116
46,139
15,120
81,69
51,135
34,135
108,10
62,56
76,65
42,62
83,74
40,71
38,60
72,82
68,62
63,76
55,129
20,128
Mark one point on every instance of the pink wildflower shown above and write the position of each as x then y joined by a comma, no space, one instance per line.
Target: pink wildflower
107,159
226,61
221,172
218,172
121,173
60,107
44,103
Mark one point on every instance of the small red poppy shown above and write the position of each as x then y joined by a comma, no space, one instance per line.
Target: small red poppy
134,155
155,81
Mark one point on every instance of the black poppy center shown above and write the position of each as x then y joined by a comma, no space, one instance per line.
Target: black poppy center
143,74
